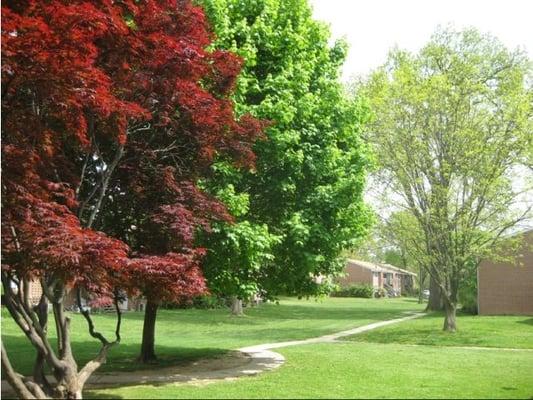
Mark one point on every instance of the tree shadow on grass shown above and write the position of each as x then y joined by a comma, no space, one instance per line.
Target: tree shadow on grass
260,315
412,300
90,394
121,358
263,324
231,364
306,312
528,321
125,362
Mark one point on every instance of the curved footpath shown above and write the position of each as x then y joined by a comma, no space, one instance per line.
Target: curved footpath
245,361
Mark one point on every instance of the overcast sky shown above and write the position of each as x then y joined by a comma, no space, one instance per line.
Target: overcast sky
372,27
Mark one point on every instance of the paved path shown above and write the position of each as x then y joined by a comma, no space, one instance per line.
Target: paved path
245,361
328,338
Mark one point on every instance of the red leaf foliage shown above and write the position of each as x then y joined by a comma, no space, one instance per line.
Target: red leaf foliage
41,235
82,78
172,277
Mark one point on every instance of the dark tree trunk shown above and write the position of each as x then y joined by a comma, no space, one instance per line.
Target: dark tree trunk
435,302
148,341
236,306
40,361
449,319
421,280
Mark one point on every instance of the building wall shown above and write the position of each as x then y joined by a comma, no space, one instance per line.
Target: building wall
507,287
355,274
70,302
36,291
395,281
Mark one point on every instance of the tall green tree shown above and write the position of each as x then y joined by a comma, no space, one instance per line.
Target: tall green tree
310,172
452,125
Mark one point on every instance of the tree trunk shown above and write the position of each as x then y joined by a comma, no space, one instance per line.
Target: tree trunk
148,342
68,382
236,306
420,285
38,367
449,320
435,296
70,385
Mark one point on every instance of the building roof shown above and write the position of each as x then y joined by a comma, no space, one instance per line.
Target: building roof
367,265
403,271
374,267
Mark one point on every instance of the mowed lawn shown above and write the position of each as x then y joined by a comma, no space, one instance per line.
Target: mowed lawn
367,370
473,330
412,359
185,335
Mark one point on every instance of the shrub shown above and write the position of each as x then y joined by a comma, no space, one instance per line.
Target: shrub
203,302
468,290
358,290
468,296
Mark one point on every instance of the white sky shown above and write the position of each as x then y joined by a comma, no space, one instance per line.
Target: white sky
372,27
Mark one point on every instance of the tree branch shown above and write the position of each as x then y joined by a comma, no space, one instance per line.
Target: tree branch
14,379
90,323
105,181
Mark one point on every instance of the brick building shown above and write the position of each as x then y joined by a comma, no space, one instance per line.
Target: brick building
392,279
135,303
506,287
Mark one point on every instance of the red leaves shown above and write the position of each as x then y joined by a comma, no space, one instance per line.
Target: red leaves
169,277
226,67
45,237
80,77
191,209
51,50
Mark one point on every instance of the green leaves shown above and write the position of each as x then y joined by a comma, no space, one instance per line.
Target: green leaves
236,255
308,183
450,127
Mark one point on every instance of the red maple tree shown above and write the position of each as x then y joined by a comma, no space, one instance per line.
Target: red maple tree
106,103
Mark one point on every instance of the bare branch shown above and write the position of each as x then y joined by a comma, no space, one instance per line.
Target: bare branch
93,365
90,323
105,182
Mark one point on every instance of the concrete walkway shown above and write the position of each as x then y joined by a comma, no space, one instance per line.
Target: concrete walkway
328,338
245,361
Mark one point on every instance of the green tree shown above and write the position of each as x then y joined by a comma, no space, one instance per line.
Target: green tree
451,126
310,172
233,266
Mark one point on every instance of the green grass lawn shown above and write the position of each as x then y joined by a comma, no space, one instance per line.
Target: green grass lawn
384,364
377,364
473,330
184,335
367,370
